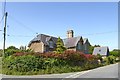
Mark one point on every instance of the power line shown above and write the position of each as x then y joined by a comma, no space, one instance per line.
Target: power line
22,25
1,19
64,35
109,32
19,36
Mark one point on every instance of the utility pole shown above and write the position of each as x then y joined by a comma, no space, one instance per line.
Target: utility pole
5,33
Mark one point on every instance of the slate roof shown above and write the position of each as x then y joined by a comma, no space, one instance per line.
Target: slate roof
85,40
43,38
71,42
101,51
68,42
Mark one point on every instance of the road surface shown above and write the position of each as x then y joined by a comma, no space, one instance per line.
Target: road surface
110,71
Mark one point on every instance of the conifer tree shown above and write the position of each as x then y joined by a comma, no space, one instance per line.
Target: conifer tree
60,46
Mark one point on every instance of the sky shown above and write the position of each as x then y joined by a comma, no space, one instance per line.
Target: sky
97,21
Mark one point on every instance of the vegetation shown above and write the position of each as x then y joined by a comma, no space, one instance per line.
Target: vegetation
26,62
12,49
116,54
91,48
46,63
99,57
60,46
109,60
1,52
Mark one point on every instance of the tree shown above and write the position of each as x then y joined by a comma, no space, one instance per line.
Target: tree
11,50
96,45
91,48
60,46
115,53
12,47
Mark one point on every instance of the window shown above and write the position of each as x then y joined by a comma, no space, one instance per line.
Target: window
51,44
99,50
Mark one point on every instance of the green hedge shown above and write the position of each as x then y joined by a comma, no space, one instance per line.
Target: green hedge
47,63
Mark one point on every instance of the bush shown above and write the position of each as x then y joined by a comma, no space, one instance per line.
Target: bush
23,63
109,60
1,52
9,52
44,63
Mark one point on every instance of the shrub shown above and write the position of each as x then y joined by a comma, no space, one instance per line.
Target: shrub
50,62
1,52
114,53
23,63
100,57
9,52
109,60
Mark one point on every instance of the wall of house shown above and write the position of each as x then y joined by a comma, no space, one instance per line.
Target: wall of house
37,47
86,48
79,46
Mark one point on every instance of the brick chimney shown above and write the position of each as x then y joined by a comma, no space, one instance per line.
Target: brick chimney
70,34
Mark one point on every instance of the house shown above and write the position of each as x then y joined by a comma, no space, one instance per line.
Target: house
44,43
103,51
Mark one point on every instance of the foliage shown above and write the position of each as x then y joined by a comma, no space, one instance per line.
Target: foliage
12,50
23,63
91,48
44,63
60,46
96,45
99,57
109,60
1,52
9,52
115,53
12,47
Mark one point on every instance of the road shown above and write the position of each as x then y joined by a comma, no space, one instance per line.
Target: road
110,71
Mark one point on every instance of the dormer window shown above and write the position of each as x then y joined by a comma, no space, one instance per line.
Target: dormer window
51,44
